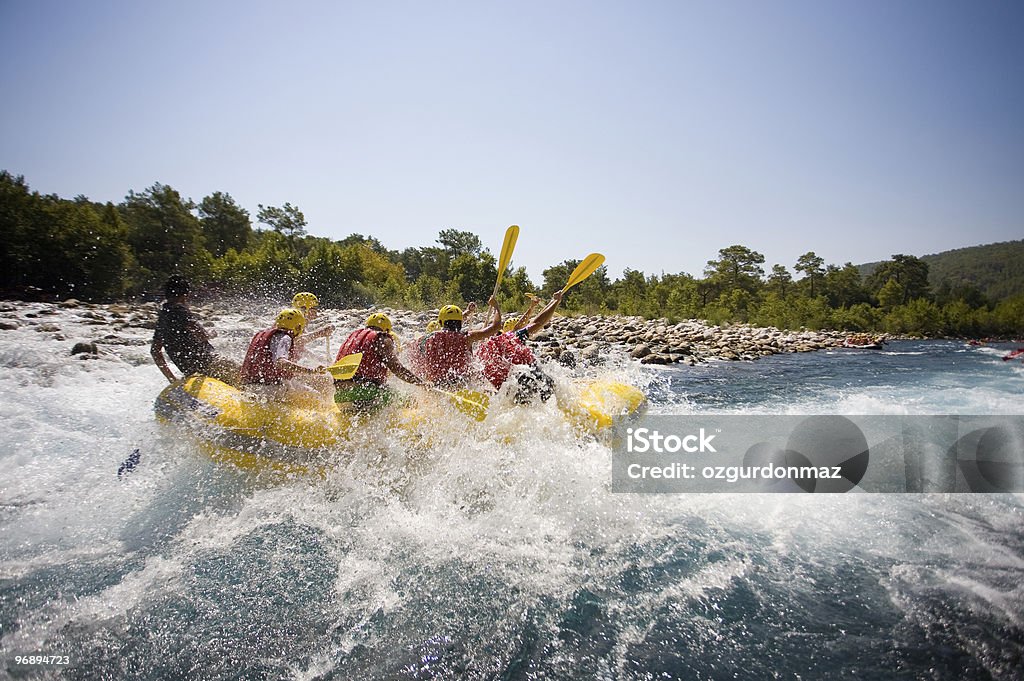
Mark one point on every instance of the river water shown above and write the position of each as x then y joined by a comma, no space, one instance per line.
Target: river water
492,556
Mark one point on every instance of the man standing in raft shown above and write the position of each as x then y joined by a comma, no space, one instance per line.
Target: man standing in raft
272,357
448,353
367,390
187,343
508,349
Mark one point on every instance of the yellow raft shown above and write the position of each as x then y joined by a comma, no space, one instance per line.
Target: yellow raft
292,438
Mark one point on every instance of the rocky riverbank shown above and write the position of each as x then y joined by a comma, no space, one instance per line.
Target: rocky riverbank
691,342
89,329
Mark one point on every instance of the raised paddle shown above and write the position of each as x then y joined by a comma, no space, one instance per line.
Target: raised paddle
509,245
346,367
584,270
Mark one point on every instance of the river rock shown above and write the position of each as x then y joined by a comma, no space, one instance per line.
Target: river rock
85,349
640,351
656,358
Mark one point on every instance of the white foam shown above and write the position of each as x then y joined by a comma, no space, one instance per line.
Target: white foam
519,499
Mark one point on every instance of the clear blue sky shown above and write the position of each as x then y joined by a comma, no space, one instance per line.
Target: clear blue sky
654,132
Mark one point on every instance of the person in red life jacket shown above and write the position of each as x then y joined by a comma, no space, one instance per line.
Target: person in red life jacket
448,353
272,358
309,305
508,350
367,390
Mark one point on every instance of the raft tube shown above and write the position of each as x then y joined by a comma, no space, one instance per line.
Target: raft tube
293,437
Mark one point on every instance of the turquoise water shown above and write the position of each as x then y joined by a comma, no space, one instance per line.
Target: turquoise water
905,377
499,554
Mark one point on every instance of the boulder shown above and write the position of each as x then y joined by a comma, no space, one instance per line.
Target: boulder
640,351
85,349
656,359
567,359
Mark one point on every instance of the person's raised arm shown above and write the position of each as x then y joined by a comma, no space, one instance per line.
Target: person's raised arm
492,328
525,319
467,316
545,315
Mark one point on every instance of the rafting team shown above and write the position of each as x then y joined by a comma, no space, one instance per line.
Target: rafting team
443,357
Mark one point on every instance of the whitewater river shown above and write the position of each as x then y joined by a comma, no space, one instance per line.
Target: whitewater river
504,557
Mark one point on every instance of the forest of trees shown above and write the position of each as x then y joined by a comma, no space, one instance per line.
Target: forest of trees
95,251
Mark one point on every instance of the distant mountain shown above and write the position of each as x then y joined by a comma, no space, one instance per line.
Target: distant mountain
996,270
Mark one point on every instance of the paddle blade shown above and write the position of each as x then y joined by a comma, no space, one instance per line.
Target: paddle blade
470,407
584,270
346,367
507,246
129,464
471,403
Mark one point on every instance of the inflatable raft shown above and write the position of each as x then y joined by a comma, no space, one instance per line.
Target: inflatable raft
293,438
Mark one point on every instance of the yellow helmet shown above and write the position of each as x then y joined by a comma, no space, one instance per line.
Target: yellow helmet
305,300
433,325
292,320
510,324
449,313
379,320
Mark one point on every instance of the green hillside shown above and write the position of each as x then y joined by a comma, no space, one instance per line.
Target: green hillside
995,270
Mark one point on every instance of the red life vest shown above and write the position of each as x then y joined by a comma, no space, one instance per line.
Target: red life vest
500,353
447,355
372,367
259,366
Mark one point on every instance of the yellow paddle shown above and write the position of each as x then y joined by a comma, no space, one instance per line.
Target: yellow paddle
509,245
477,410
584,270
346,367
